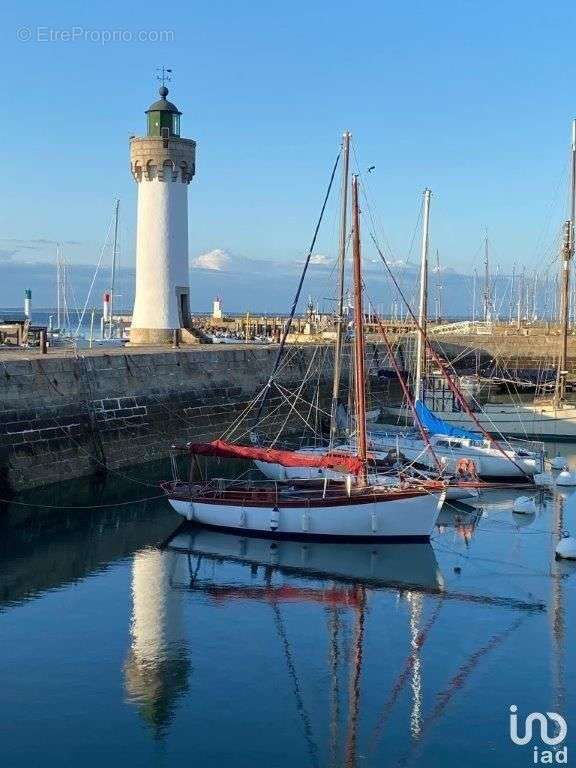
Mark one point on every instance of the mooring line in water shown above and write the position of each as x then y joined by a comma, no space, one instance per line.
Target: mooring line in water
83,506
476,559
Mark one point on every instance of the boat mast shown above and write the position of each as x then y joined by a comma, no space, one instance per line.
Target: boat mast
113,277
423,303
359,377
567,253
58,277
564,317
487,291
340,306
439,288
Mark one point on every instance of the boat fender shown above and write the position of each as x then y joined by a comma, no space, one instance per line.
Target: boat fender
275,519
348,484
374,522
305,521
190,511
243,519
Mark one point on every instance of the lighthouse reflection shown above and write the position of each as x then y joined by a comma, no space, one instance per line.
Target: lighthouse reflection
157,668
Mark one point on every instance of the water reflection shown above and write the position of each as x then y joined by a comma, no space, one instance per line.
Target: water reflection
405,565
157,668
298,652
345,580
463,519
347,574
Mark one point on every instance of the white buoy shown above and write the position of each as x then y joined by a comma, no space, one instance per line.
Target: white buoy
566,548
558,462
543,478
525,505
566,478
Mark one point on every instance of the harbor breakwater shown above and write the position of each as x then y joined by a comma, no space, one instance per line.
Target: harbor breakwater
66,415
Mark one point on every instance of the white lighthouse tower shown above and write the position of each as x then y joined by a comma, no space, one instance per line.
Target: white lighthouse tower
163,165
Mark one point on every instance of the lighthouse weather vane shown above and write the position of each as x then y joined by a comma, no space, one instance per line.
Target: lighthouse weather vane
164,75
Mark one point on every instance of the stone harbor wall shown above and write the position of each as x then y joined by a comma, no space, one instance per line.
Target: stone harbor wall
64,416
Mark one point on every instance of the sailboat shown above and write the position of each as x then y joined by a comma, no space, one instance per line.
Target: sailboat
384,465
353,509
452,443
543,419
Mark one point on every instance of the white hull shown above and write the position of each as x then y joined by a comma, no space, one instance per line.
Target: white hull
523,420
400,518
489,462
411,564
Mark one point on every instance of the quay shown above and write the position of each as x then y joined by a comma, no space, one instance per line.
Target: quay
70,413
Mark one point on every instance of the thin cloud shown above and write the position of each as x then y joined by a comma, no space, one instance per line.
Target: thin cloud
320,259
216,260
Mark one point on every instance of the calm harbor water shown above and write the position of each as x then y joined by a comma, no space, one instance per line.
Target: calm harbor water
221,651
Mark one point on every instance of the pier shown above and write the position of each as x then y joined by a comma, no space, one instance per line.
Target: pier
69,413
73,413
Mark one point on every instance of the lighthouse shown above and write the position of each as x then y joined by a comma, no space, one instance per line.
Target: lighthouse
163,165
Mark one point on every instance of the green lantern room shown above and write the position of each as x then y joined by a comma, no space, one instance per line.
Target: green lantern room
163,117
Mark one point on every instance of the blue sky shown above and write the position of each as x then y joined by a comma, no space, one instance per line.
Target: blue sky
471,99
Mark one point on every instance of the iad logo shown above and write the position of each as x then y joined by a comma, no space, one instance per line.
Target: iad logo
559,732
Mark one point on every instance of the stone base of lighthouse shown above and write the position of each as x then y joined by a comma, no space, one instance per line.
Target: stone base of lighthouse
164,336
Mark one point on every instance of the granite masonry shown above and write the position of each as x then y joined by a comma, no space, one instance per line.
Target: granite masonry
64,416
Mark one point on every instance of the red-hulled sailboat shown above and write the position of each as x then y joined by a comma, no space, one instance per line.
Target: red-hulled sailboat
353,509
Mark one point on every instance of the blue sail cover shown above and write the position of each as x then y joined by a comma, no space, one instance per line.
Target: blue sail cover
436,426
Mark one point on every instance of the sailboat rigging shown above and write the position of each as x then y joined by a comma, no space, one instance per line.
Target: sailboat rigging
340,306
551,418
353,509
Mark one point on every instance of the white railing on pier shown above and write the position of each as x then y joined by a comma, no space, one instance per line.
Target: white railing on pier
462,328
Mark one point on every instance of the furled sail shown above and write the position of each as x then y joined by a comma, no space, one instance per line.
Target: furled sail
436,426
339,462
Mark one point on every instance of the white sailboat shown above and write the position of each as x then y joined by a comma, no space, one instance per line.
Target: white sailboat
542,419
353,510
455,445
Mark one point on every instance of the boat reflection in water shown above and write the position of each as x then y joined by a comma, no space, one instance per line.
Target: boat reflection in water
403,565
351,571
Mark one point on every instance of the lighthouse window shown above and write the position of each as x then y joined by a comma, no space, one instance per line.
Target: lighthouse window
153,125
176,125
